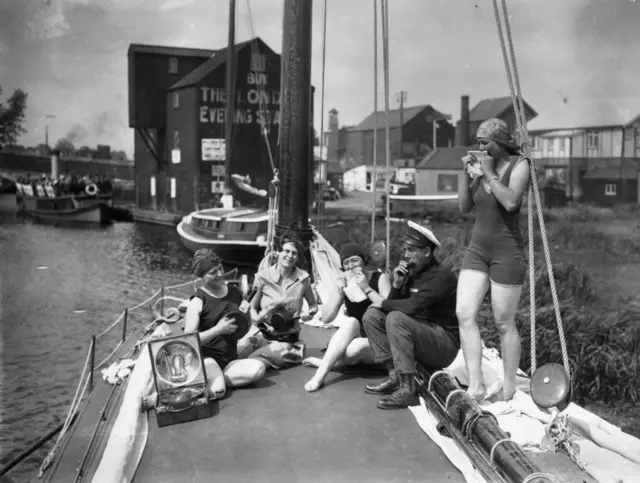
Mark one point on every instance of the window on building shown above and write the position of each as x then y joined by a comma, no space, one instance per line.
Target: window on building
448,183
258,62
550,144
152,186
593,139
176,99
610,190
176,139
638,136
537,142
173,188
173,65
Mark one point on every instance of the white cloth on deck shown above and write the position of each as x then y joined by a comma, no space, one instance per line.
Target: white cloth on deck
128,437
609,454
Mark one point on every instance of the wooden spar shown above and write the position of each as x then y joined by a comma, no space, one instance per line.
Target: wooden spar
295,155
477,432
230,88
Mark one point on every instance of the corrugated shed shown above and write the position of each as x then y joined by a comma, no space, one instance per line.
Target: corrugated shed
586,114
369,122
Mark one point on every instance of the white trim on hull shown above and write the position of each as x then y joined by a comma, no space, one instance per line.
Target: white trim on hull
237,252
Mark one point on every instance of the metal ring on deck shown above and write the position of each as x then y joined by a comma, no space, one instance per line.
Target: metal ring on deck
493,448
431,378
547,478
446,403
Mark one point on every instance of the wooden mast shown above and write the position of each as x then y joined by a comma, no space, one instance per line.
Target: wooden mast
230,88
296,125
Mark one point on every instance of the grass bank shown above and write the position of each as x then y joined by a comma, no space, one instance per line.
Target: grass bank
596,265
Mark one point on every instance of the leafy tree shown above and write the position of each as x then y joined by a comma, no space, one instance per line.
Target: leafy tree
12,116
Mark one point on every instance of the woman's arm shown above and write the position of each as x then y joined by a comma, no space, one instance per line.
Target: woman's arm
192,321
255,306
384,288
510,197
465,199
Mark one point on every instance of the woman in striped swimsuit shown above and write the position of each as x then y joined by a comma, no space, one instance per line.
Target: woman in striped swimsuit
495,256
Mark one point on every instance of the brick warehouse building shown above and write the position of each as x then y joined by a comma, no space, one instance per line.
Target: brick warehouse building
177,106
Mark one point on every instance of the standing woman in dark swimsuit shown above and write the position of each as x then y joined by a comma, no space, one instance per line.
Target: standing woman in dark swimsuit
495,256
349,345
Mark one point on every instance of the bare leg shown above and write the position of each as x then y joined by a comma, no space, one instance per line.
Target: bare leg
472,287
337,348
358,352
504,302
243,372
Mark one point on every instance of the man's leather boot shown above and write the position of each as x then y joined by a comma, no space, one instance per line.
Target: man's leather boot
406,395
387,385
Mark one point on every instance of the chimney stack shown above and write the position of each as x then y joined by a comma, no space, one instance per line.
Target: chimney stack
333,120
463,126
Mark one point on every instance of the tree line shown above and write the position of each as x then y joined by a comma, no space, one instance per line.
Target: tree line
12,119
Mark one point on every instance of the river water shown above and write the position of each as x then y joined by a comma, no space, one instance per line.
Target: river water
58,287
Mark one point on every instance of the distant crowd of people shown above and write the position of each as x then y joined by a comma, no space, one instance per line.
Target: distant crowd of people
63,185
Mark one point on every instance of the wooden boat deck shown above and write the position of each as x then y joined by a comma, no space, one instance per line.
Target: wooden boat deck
275,431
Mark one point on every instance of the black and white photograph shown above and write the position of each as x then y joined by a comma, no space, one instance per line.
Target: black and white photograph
319,241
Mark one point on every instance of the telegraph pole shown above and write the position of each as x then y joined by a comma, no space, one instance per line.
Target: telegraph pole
295,149
401,98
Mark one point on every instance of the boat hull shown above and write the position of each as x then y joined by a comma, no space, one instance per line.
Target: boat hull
237,235
231,251
63,211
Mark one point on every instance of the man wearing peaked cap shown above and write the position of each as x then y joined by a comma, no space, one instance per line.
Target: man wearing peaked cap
417,321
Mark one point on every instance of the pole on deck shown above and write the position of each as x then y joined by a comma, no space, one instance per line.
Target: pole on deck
295,150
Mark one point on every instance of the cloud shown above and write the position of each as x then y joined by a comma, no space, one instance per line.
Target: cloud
173,4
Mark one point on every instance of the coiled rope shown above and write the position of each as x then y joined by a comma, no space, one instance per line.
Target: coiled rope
508,54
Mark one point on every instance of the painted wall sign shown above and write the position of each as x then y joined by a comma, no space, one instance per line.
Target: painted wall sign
213,149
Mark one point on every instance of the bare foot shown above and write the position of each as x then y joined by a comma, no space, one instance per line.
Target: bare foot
505,395
477,391
312,362
314,383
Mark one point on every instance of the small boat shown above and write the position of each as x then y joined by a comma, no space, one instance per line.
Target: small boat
237,235
66,209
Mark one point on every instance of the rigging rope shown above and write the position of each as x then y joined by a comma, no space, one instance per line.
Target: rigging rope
518,106
262,92
385,43
375,120
322,172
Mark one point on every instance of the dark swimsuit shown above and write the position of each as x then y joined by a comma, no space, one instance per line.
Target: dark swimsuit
357,309
497,246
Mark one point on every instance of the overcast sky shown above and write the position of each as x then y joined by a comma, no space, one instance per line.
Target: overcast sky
70,56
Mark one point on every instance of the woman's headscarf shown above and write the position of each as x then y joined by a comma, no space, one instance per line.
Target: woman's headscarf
498,131
204,260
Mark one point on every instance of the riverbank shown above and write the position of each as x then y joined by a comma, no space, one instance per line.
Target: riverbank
595,254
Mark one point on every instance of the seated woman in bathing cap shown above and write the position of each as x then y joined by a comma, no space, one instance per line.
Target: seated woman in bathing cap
206,315
349,345
276,306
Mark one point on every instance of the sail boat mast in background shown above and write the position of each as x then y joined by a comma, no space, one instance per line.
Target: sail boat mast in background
227,198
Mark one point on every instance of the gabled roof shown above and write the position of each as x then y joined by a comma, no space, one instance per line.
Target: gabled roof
218,59
586,114
443,158
369,123
169,51
488,108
